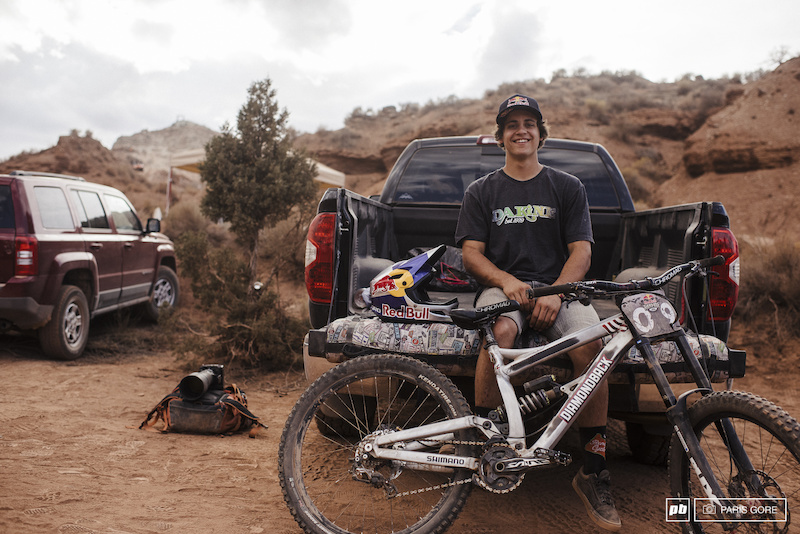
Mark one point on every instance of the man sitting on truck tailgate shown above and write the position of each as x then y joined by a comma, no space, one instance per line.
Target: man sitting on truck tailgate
528,224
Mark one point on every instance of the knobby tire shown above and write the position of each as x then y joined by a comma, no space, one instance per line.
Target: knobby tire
371,393
771,438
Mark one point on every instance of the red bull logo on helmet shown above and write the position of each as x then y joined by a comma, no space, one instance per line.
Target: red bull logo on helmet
384,286
406,313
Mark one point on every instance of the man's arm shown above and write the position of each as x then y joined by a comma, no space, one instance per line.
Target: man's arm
487,273
545,309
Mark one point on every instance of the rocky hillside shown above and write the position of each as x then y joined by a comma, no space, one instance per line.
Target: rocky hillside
748,156
690,140
153,150
678,142
137,164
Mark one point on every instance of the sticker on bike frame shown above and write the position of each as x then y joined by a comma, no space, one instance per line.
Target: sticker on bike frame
587,385
650,314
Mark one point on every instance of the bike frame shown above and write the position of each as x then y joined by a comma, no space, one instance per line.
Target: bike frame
579,391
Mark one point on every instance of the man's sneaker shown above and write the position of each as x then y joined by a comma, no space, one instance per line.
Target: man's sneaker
595,492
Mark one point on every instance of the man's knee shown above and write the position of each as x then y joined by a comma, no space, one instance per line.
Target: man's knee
505,332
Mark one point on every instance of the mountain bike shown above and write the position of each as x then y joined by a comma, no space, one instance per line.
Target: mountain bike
403,449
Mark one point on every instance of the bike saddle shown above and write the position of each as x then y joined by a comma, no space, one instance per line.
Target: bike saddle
473,319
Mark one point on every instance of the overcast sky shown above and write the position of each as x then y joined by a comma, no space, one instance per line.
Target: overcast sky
117,67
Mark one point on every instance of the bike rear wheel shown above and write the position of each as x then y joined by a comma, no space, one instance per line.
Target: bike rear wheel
317,456
771,439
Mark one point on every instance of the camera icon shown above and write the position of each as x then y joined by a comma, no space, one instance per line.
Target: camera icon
709,509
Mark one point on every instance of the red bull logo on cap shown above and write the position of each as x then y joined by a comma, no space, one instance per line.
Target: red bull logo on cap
517,101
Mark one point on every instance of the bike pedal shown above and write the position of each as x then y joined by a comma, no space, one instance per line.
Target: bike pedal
558,457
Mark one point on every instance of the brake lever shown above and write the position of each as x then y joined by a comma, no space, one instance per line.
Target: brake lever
581,297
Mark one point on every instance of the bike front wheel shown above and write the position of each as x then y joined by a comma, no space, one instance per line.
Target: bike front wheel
331,484
771,439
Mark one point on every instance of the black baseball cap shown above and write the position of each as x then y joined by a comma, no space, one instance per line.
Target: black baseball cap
518,102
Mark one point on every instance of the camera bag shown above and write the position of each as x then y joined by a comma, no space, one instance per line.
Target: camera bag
217,411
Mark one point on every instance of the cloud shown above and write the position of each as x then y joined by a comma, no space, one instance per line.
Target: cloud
309,25
119,67
465,23
512,49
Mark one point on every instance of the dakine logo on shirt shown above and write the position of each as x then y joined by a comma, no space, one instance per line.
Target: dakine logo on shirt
521,214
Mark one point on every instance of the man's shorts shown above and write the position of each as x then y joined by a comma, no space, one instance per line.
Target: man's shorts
570,319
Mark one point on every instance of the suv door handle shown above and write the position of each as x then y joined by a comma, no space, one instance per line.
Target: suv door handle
128,245
96,246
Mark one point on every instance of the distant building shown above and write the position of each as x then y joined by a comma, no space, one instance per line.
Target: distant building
189,160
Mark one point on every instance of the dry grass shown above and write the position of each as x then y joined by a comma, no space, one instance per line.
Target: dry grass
770,287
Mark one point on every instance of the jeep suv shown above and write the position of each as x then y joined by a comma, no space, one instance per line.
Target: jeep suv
71,250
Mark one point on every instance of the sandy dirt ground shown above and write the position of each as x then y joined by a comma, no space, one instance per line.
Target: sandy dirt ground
72,459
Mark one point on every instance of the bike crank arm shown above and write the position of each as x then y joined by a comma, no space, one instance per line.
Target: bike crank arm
541,458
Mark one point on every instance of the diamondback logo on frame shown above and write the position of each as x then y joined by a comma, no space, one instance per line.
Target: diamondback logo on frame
522,214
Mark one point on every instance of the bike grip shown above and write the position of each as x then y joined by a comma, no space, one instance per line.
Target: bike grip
710,262
549,290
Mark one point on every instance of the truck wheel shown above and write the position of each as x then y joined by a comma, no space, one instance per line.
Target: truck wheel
64,337
648,447
165,292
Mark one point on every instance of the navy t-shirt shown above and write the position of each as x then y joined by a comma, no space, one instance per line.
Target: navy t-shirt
526,225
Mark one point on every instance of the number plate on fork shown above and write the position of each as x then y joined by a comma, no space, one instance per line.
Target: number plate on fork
650,314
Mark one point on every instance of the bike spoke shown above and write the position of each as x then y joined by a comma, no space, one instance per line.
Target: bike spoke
769,437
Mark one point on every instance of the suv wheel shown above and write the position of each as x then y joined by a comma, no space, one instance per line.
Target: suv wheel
65,336
165,292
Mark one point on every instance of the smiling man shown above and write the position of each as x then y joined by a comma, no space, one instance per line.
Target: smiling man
528,225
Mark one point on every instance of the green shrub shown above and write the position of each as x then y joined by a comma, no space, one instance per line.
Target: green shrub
246,327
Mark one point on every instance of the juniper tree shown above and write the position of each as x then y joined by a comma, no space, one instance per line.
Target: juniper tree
253,176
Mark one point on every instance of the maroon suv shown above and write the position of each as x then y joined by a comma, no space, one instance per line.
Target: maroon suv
71,250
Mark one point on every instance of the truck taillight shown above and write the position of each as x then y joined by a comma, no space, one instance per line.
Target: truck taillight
319,258
26,256
724,286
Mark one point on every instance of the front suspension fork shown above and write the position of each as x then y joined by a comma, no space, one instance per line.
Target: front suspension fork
678,415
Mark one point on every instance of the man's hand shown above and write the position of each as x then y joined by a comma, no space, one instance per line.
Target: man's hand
545,311
518,290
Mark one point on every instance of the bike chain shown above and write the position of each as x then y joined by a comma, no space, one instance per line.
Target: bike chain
473,479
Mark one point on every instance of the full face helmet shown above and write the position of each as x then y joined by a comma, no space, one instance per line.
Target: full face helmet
398,293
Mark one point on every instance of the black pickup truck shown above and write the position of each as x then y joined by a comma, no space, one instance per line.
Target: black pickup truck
353,238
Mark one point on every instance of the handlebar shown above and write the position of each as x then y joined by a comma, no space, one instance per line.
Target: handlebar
591,287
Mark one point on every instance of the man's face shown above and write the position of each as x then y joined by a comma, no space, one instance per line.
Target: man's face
521,133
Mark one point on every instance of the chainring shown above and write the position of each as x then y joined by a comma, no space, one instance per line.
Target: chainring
489,479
